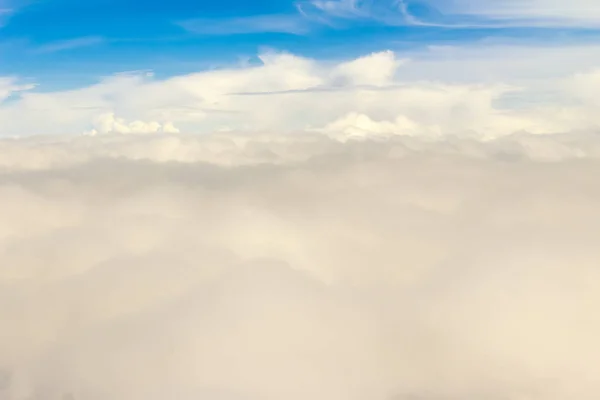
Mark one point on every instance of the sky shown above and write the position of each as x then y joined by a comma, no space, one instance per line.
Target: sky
74,64
275,200
63,42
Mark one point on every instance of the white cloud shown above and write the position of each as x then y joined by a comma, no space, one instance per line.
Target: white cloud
108,123
448,253
377,69
10,85
487,90
239,266
360,126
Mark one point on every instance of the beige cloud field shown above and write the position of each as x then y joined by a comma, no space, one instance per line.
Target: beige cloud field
292,266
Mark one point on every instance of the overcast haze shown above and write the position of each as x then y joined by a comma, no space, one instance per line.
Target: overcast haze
230,267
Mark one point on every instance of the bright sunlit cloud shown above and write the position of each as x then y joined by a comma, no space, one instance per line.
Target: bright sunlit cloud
480,91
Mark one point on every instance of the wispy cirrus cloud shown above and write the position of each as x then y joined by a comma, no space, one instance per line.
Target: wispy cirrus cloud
9,7
578,13
294,24
389,12
10,85
460,13
468,13
309,16
465,14
5,13
69,44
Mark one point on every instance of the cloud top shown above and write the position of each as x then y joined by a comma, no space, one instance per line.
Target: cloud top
238,266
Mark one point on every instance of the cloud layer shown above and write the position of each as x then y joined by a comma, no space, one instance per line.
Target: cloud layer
485,90
235,266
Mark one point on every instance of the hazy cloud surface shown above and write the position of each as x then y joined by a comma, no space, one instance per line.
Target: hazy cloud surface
248,267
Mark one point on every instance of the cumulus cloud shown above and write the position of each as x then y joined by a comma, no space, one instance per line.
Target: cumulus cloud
489,91
375,69
237,266
108,123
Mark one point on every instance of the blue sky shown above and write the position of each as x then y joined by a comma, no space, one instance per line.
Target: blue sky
69,42
420,66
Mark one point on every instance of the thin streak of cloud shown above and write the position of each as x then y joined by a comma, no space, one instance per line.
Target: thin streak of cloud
10,85
70,44
327,89
5,14
8,8
292,24
384,12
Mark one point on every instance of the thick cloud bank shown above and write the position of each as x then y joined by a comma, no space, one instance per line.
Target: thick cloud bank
231,267
485,91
